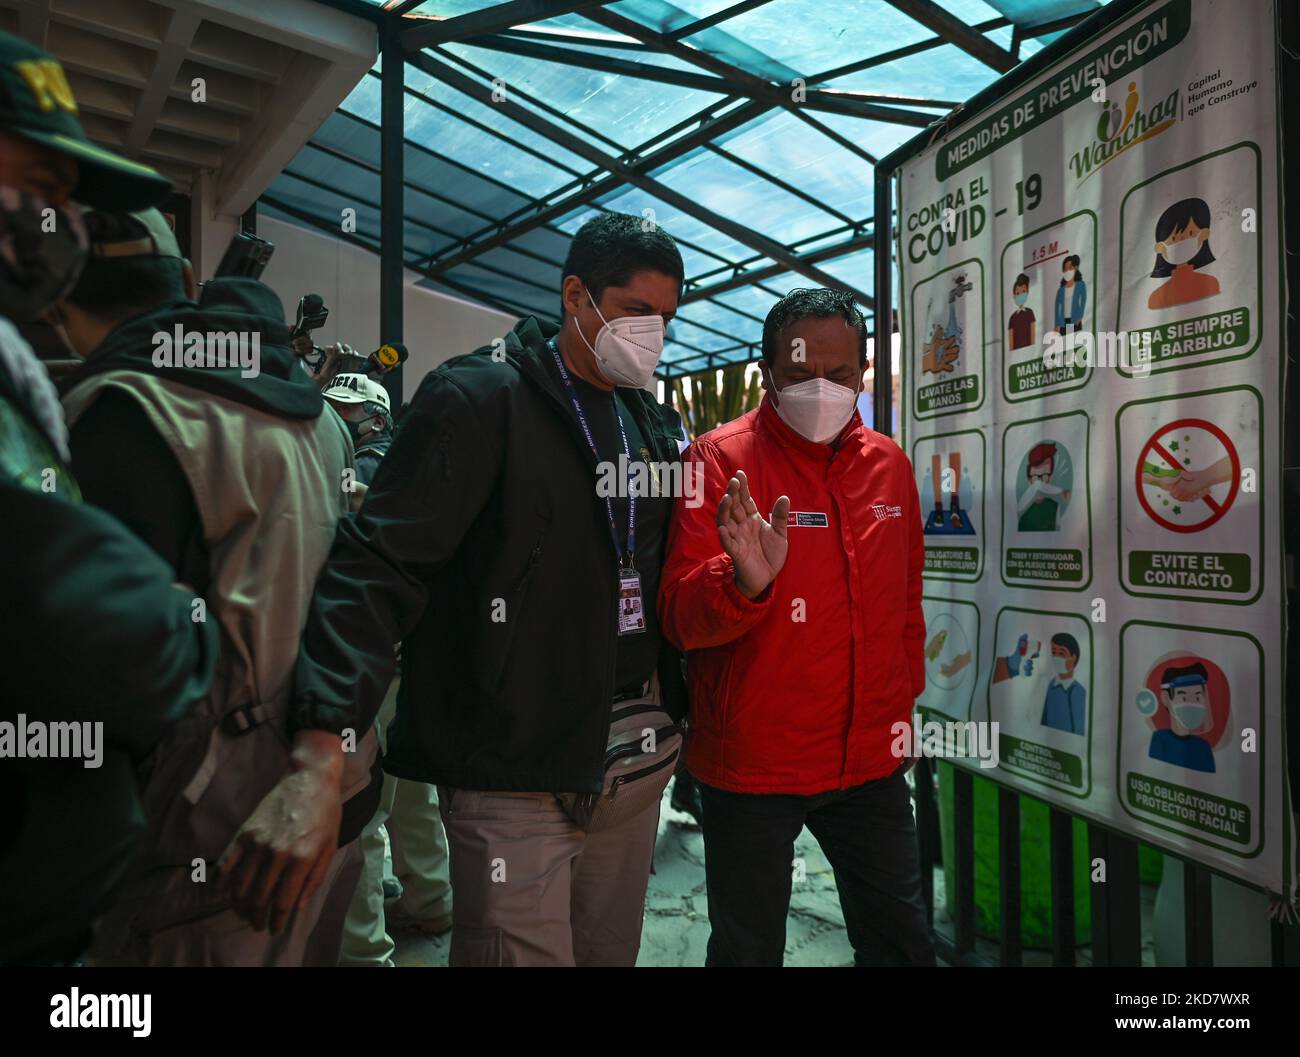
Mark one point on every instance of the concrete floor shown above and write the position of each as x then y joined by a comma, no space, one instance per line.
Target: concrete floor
677,916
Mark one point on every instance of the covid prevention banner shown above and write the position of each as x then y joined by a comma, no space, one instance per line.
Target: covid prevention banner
1092,303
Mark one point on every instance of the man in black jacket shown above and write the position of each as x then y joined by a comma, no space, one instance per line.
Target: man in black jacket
523,593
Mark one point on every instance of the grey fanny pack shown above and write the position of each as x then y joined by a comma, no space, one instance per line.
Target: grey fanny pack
643,746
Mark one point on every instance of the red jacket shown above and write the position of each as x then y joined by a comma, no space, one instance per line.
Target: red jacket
779,704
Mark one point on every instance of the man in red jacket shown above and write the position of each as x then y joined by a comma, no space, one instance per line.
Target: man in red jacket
805,638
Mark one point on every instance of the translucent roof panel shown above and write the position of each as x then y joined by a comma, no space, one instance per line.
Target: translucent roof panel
325,205
794,151
857,269
493,194
669,17
744,196
753,300
787,281
1036,12
448,8
617,107
691,331
678,359
943,72
971,12
714,246
877,138
426,125
526,269
477,194
504,288
811,37
485,139
719,317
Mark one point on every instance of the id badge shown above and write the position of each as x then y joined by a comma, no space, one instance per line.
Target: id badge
631,607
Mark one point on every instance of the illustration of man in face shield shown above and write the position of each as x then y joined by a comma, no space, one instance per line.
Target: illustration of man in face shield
1185,695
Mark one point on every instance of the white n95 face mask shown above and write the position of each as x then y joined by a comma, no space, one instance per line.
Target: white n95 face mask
1182,251
627,349
816,409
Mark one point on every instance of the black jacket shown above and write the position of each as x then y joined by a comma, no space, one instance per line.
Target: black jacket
487,497
97,633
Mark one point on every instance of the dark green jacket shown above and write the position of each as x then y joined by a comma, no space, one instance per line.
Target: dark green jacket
486,498
96,633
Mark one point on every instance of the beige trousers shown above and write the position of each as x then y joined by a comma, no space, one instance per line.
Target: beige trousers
531,888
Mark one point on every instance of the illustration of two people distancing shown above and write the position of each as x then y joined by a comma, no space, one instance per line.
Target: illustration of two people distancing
1067,309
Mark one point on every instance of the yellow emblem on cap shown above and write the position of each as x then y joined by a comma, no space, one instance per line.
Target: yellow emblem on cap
388,355
48,84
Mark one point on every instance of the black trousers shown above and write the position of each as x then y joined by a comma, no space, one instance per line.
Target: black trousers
868,835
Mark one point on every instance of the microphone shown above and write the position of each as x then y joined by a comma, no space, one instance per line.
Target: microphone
387,357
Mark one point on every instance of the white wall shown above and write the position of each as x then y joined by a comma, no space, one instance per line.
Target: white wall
210,230
435,327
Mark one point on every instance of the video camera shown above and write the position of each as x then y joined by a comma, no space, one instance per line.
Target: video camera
311,315
247,257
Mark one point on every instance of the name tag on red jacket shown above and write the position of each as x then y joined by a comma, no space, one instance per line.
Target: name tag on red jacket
806,519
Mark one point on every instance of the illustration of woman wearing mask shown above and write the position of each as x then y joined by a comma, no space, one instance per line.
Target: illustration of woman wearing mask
1071,296
1183,246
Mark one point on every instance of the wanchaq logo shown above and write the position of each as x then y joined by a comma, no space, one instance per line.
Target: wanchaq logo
1118,129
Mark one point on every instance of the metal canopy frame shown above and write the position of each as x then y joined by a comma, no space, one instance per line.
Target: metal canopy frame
617,44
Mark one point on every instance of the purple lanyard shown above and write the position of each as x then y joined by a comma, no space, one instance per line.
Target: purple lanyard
591,443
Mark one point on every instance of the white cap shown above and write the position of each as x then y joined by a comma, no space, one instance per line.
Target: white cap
357,389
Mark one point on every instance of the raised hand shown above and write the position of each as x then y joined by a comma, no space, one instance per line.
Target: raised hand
757,547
